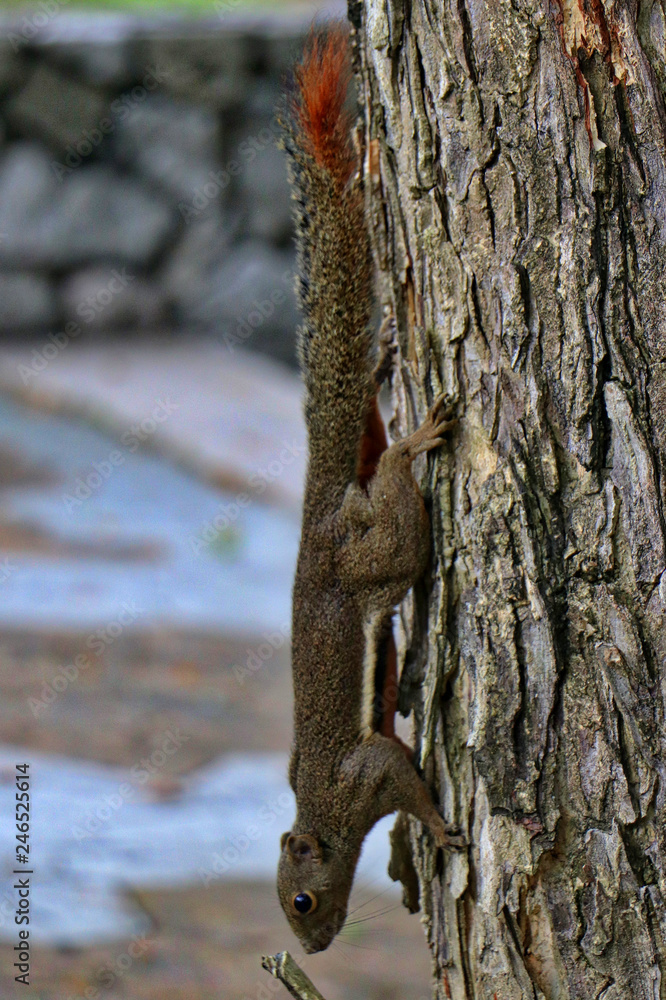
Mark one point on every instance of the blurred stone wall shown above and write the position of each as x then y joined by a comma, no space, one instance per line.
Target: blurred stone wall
140,185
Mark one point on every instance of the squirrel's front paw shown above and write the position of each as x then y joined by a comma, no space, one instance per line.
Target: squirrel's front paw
440,417
430,434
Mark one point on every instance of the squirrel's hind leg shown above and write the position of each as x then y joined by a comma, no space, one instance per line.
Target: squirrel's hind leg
385,533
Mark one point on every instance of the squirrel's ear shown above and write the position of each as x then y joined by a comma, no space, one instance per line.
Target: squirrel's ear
283,839
303,847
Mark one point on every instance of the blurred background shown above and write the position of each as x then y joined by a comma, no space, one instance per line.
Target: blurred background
151,467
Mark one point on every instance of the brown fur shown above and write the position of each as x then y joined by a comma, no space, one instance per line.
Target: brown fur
363,544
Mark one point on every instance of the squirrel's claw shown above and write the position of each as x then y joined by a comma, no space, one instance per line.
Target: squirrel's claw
440,414
429,434
451,838
454,842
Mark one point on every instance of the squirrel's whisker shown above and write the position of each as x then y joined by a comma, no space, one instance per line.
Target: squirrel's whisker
373,916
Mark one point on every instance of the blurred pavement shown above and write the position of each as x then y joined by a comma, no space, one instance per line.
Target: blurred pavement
225,415
144,672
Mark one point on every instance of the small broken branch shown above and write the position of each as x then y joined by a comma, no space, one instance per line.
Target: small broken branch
283,967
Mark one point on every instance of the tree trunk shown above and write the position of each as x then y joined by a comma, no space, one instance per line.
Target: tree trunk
516,163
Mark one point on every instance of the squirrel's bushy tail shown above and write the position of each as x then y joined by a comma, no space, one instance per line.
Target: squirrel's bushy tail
334,282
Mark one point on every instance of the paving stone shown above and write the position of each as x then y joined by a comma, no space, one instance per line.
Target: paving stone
212,687
121,527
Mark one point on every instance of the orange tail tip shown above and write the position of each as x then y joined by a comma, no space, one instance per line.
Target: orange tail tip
322,81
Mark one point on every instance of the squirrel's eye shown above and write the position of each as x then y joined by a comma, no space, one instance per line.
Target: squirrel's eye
304,902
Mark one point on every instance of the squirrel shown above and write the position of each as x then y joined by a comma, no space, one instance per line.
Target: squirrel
365,536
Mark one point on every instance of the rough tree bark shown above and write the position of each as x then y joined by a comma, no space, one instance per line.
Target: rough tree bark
516,156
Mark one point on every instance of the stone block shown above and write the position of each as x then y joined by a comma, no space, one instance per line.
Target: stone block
214,70
28,302
55,107
264,190
106,63
112,299
170,141
91,214
205,240
248,298
13,69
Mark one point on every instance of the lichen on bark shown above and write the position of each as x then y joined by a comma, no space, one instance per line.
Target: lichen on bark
516,177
